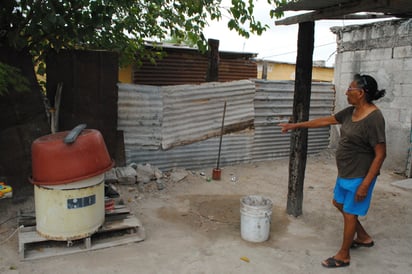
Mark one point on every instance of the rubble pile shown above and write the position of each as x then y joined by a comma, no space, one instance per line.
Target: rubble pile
148,178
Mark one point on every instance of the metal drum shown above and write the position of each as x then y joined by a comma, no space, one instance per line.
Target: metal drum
72,211
68,177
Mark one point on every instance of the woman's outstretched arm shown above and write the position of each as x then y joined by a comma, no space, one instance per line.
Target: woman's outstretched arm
319,122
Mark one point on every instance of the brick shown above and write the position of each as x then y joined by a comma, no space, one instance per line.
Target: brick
402,52
401,101
406,116
404,90
381,54
371,66
407,65
393,65
347,37
402,78
379,32
391,114
346,67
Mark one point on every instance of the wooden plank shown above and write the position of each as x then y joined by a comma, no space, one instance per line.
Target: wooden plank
118,229
116,224
28,218
408,171
333,11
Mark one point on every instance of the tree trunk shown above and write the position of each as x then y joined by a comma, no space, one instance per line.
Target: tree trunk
301,105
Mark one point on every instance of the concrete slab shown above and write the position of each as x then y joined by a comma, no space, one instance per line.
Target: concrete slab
405,184
193,226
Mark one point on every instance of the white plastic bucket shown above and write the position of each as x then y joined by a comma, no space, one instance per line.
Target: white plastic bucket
255,218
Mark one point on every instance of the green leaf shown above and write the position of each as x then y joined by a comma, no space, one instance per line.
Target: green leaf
123,26
12,79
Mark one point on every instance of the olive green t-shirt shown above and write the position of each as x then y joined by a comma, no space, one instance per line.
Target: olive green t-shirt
355,151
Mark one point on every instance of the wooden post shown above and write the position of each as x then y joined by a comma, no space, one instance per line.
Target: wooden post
265,70
212,74
301,105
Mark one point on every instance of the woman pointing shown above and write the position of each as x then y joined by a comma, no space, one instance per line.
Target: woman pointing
359,157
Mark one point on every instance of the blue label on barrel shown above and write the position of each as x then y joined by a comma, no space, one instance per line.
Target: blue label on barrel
81,202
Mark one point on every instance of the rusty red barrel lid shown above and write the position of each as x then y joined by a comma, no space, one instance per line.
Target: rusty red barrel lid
56,162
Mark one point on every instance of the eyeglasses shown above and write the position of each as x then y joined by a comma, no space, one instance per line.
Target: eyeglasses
350,89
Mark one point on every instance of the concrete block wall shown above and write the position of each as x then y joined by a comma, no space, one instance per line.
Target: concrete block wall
384,51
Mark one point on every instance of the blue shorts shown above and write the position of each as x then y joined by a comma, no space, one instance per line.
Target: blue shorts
345,193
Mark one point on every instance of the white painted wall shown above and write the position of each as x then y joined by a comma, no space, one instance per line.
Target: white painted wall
384,51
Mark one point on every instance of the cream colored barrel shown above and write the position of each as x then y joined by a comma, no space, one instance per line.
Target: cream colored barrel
70,211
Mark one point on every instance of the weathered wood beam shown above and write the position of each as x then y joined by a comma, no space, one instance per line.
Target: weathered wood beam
301,105
335,12
317,5
241,126
362,16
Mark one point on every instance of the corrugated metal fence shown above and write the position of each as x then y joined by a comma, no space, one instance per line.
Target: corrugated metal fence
274,104
179,126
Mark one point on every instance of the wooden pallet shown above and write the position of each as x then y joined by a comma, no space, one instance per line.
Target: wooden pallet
120,227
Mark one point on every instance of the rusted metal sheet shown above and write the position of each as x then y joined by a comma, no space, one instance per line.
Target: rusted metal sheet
174,69
237,69
193,113
187,66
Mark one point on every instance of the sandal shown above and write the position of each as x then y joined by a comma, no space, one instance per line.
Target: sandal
356,244
334,263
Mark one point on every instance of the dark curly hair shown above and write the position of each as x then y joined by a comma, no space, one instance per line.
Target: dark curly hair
370,86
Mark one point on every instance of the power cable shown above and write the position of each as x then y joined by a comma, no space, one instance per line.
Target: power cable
290,52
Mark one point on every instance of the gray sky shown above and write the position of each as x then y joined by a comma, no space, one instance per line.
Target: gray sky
279,43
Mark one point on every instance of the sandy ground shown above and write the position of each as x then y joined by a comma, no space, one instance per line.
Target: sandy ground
193,226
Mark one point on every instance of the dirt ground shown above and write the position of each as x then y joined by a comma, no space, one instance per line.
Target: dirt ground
193,226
